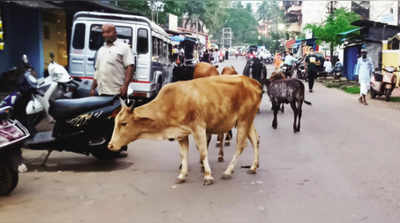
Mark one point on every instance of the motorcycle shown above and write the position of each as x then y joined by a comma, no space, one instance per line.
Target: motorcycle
12,134
287,70
82,125
337,70
299,69
383,83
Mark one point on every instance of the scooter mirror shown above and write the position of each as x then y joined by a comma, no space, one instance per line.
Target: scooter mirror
25,59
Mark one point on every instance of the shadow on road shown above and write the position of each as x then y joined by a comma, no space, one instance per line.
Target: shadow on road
76,164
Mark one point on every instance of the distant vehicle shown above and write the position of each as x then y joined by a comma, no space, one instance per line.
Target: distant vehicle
149,42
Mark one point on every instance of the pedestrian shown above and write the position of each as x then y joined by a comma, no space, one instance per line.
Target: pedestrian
277,61
364,69
312,64
289,62
206,57
226,54
328,66
114,65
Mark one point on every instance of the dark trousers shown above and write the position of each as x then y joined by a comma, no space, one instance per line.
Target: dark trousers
311,78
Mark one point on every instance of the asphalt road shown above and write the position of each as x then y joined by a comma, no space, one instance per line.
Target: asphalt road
342,167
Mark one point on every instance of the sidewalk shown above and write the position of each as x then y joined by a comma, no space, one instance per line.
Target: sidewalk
396,92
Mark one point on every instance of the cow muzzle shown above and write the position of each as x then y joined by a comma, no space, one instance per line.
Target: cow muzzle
113,147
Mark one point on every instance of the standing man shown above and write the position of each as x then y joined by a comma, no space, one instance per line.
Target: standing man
364,69
114,65
312,64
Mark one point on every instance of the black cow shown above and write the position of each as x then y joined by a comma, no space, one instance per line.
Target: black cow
255,69
289,91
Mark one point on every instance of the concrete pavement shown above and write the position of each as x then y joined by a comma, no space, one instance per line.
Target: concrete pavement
342,167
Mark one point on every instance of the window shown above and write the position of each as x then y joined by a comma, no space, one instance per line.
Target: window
79,36
155,46
96,37
142,41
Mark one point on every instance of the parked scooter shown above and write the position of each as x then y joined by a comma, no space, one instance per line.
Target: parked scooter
81,125
300,70
12,134
337,70
383,83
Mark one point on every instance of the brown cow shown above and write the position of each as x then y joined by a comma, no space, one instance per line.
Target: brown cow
179,111
229,71
203,69
220,141
206,70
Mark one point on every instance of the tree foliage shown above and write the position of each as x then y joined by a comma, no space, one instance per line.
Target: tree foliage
338,22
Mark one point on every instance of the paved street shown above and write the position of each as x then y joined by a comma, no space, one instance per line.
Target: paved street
342,167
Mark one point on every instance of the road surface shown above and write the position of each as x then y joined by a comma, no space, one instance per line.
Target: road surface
342,167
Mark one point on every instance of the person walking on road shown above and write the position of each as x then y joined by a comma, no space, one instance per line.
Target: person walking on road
312,64
114,65
364,69
277,61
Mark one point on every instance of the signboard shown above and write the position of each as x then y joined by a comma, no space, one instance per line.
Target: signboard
172,22
308,34
1,32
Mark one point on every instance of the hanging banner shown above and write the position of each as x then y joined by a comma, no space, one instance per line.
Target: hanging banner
1,32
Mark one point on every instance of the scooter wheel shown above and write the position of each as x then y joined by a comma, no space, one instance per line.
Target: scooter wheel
105,154
373,93
387,94
8,180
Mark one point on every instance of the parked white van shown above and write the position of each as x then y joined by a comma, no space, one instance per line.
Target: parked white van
149,42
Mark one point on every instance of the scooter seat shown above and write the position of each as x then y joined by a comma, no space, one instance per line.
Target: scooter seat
68,108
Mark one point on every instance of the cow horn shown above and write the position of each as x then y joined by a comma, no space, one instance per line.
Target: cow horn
123,103
131,104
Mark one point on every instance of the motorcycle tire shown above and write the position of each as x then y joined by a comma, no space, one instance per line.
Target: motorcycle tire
388,92
373,93
8,180
104,154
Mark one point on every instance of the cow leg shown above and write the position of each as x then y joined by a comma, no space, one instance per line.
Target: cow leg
200,137
299,108
283,108
242,134
294,108
208,145
228,138
275,107
254,140
219,139
221,147
184,150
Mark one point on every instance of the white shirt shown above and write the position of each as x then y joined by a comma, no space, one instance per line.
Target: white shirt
289,60
328,66
111,63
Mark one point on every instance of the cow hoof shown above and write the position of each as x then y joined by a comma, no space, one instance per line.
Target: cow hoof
220,159
251,171
226,176
180,181
227,143
208,182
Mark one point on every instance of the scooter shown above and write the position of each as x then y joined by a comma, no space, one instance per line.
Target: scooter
383,83
12,134
81,125
287,70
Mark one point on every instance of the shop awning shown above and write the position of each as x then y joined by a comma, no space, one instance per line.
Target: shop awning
34,4
349,31
289,43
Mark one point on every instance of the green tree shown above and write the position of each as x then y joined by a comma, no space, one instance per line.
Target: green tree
339,21
242,23
270,11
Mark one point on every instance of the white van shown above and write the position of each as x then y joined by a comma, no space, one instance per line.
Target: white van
149,42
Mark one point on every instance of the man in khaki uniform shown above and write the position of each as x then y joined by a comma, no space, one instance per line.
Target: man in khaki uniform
114,65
